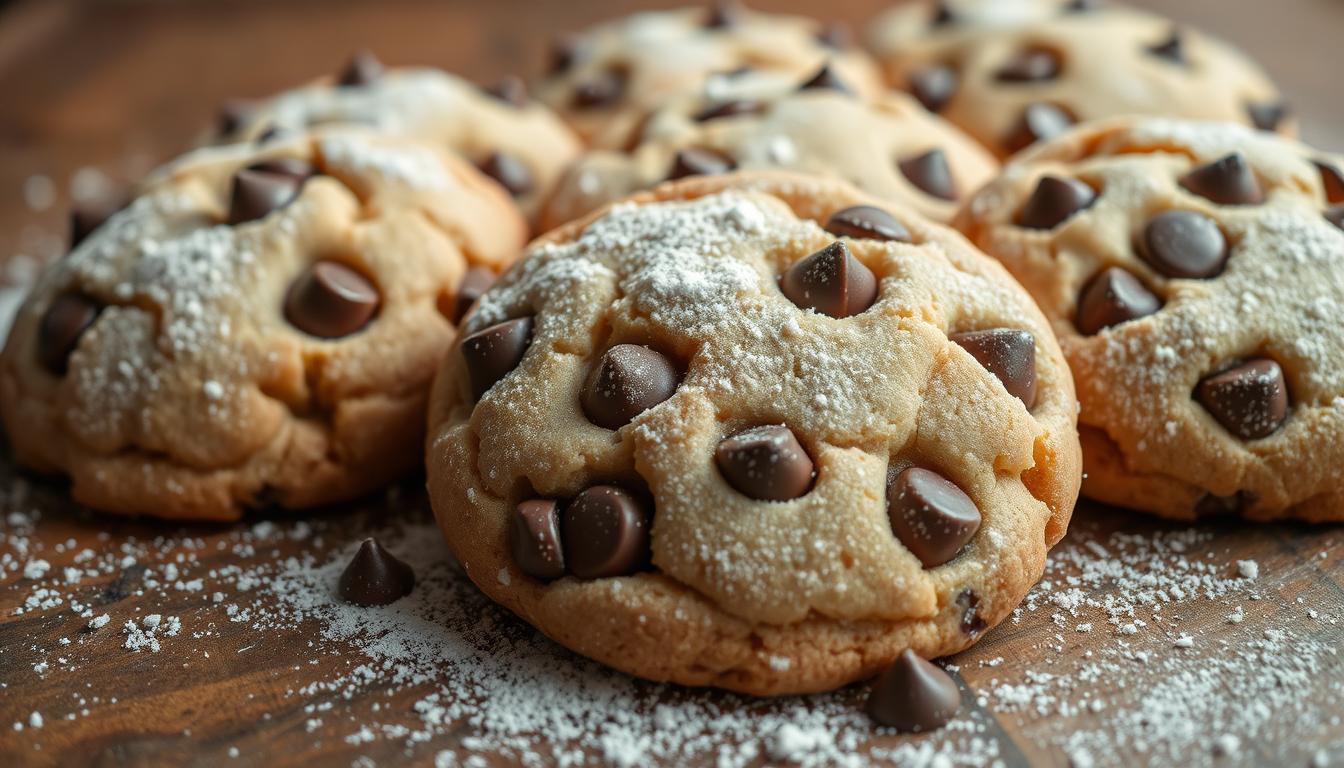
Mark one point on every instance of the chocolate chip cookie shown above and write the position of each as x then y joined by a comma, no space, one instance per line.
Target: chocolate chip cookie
1010,74
889,147
1194,275
607,79
791,427
512,138
259,327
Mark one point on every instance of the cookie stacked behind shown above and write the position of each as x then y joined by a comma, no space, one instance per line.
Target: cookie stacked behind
258,327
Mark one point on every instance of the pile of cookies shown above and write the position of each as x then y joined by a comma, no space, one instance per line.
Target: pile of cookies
801,378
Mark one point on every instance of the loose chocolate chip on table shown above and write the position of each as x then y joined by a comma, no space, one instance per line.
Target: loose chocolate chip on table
1172,49
375,577
765,463
830,281
474,285
627,381
330,300
1226,181
509,171
363,69
1184,244
866,222
1033,65
1039,121
1250,400
930,515
1267,115
1335,216
930,173
65,321
256,193
601,89
1112,297
1332,181
723,14
88,216
492,352
933,86
913,695
969,603
606,533
511,90
534,539
836,35
825,78
1054,200
1009,354
730,109
694,161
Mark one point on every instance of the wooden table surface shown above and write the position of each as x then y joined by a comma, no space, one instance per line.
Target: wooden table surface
97,93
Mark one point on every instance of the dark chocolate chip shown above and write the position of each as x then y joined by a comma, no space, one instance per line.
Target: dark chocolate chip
913,695
511,90
627,381
866,222
1009,354
831,281
1332,180
765,463
363,69
1054,200
88,216
942,16
1172,48
61,328
1226,181
930,173
233,114
509,171
492,352
256,193
694,161
375,577
969,603
1112,297
602,89
1335,216
730,109
836,35
930,515
1250,400
825,78
606,533
330,300
1033,65
474,285
1039,121
1184,244
1267,115
534,539
723,14
933,86
561,56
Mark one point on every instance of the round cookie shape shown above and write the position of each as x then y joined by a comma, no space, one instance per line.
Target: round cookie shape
1200,320
178,365
888,146
511,137
1011,74
607,79
754,524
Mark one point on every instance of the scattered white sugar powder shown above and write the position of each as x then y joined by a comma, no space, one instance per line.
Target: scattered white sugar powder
1249,569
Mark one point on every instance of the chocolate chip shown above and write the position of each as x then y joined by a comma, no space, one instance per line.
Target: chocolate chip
88,216
1009,354
602,89
492,352
1113,297
1039,121
836,35
606,533
1033,65
1249,400
474,285
561,56
830,281
1267,115
233,114
1332,181
866,222
627,381
511,90
363,69
969,603
509,171
933,86
826,79
1226,181
1172,48
930,173
694,161
942,16
1184,244
931,516
534,539
765,463
330,300
913,695
730,109
375,577
723,14
1335,216
256,193
1054,200
61,328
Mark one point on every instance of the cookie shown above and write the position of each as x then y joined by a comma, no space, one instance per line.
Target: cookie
890,147
512,138
259,327
761,414
606,80
1010,74
1193,274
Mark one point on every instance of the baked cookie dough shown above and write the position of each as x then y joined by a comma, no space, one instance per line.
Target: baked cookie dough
760,414
509,136
1011,73
259,327
606,80
1194,274
890,147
